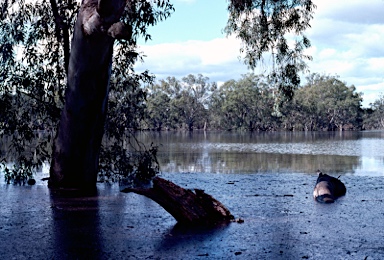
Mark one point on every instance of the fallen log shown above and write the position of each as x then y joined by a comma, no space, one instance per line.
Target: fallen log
186,206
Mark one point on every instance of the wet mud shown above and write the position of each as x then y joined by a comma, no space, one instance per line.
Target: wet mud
281,221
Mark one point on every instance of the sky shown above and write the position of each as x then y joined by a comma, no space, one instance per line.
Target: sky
347,39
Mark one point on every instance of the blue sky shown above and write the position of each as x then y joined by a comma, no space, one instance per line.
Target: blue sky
347,40
192,20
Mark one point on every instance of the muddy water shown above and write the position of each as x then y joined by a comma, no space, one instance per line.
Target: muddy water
281,220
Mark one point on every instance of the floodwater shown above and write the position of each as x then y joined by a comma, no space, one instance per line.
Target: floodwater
265,179
356,153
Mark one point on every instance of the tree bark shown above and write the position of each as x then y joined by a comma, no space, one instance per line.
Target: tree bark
76,148
186,206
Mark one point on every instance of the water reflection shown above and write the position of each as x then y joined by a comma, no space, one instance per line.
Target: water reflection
358,153
74,237
191,238
257,163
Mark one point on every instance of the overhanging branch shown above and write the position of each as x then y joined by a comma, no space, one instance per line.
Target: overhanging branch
60,25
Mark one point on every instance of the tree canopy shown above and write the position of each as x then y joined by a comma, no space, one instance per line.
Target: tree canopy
249,104
325,103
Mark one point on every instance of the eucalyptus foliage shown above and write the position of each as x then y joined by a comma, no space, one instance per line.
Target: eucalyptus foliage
274,27
374,116
324,103
245,104
179,104
248,104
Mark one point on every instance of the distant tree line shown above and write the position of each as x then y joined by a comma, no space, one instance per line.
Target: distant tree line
253,103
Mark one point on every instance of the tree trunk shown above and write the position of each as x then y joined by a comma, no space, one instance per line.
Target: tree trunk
186,206
75,154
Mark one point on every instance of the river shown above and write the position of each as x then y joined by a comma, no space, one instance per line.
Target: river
349,153
337,153
281,219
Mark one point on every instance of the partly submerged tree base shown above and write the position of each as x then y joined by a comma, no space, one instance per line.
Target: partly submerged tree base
73,192
186,206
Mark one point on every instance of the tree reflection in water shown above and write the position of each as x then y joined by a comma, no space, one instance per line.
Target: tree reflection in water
283,152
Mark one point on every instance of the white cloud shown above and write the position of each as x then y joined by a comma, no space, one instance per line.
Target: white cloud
351,11
217,59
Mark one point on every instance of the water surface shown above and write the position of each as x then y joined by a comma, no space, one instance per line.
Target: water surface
357,153
281,219
345,153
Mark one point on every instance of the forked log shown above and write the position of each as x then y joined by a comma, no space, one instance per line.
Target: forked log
186,206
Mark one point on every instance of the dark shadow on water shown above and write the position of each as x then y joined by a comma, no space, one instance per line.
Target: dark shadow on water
76,225
182,236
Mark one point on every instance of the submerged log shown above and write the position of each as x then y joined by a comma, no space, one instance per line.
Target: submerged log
186,206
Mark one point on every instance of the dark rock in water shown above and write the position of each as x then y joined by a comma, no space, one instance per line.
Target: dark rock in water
31,182
328,188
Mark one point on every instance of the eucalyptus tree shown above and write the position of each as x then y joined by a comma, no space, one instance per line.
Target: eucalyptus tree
39,63
76,149
375,118
177,104
159,109
328,103
191,105
233,104
244,104
300,114
158,113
